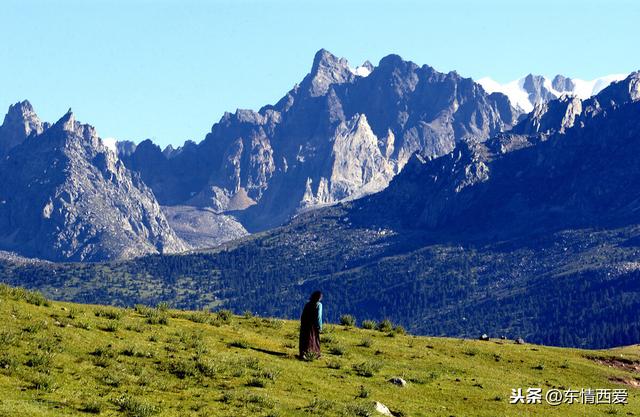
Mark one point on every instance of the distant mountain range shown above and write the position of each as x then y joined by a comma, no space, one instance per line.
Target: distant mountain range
527,92
339,134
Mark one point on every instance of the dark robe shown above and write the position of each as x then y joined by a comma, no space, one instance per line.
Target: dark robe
309,330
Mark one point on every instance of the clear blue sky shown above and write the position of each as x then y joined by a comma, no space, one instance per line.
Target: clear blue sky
168,69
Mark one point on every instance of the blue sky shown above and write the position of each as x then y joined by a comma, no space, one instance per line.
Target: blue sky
167,70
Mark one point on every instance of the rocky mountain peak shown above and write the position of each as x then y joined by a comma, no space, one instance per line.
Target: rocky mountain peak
634,85
551,116
324,59
569,109
20,122
368,65
414,165
391,60
538,155
615,95
625,90
327,69
533,80
534,85
69,131
21,111
561,83
125,148
67,122
394,64
168,151
66,197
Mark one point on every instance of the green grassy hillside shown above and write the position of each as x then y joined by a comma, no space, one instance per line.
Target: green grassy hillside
71,359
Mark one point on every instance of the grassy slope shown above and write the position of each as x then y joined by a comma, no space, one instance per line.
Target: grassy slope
64,359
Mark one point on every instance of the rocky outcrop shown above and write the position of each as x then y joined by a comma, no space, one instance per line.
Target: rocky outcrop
327,70
537,92
562,84
20,122
551,116
203,227
614,96
125,148
360,164
66,197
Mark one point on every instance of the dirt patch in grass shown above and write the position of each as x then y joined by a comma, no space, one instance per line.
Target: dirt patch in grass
618,363
631,382
622,364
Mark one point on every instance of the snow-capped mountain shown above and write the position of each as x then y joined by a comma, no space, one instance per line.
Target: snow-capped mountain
528,91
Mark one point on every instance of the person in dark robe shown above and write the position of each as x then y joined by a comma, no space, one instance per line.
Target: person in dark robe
311,326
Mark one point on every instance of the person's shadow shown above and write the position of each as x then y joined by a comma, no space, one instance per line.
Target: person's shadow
269,352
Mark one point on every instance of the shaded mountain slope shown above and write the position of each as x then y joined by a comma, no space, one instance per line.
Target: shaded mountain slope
577,174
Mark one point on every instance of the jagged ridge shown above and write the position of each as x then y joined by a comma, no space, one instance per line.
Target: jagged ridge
335,136
67,197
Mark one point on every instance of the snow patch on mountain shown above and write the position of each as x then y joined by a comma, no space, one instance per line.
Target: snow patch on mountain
585,89
110,143
360,71
514,90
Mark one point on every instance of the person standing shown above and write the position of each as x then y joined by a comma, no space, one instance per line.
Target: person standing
311,326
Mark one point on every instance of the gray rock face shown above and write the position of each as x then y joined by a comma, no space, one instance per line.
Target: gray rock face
551,116
561,83
327,70
538,93
125,148
203,227
169,152
20,122
338,135
360,164
66,197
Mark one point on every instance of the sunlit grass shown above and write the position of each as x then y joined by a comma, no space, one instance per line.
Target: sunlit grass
71,359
